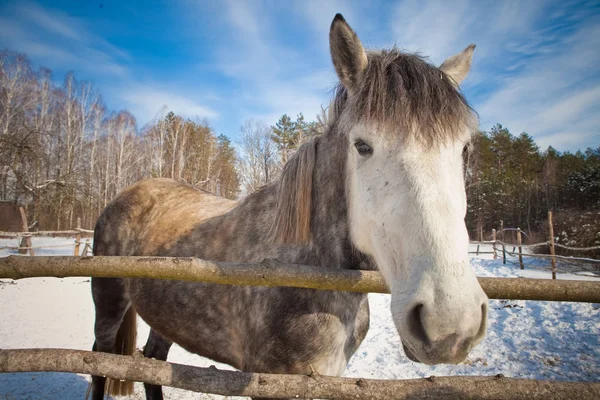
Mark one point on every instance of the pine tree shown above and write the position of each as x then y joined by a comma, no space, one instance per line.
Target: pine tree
285,135
228,180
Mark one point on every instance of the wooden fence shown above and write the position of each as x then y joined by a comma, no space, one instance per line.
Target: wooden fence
233,383
500,246
272,273
26,246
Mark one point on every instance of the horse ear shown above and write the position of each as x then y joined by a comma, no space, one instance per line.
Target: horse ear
348,55
457,67
294,198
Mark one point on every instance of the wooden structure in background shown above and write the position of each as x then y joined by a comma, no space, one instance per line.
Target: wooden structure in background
551,240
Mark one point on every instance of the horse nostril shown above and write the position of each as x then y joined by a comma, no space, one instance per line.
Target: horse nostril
415,323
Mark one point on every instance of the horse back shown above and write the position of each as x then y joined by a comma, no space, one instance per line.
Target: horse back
149,217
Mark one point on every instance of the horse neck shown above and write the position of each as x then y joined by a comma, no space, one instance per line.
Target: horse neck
329,221
246,229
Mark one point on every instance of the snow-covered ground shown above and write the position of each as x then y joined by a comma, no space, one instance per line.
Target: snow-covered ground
526,339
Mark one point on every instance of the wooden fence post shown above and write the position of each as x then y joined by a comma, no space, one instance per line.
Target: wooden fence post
552,251
503,253
519,242
77,237
494,243
26,240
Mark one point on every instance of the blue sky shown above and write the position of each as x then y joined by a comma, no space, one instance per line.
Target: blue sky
536,67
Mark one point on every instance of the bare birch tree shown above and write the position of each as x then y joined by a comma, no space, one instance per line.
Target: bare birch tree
63,155
258,161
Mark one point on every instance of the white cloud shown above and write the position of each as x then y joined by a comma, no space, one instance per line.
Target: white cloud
248,55
525,73
60,40
63,41
432,27
570,140
532,72
569,109
57,22
145,101
51,21
272,78
320,13
555,96
439,29
529,73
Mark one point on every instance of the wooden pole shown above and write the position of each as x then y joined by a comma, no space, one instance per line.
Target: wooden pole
503,253
24,228
502,229
481,233
494,243
519,242
88,248
260,385
272,273
26,240
552,251
477,250
77,238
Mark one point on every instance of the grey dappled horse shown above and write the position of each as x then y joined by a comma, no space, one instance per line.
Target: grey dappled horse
380,188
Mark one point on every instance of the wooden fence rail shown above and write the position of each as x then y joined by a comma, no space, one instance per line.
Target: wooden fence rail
550,243
274,273
566,258
72,232
233,383
521,254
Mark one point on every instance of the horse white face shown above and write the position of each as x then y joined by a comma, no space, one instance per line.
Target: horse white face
406,208
407,204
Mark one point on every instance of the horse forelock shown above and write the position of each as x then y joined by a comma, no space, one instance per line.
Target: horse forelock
407,96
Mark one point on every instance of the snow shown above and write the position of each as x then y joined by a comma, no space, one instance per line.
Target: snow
525,339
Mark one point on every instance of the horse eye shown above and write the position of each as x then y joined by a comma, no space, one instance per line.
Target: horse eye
363,148
467,149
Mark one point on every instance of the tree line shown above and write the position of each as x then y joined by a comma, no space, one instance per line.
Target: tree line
509,178
64,155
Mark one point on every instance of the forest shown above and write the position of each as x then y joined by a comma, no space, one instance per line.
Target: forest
64,155
509,179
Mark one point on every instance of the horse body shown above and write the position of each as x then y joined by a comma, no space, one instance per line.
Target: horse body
254,329
250,328
380,188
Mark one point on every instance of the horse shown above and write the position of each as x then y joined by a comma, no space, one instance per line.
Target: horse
381,187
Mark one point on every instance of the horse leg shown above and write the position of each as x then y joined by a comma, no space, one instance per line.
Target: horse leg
114,329
157,347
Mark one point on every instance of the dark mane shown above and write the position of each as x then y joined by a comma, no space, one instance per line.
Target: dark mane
406,92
